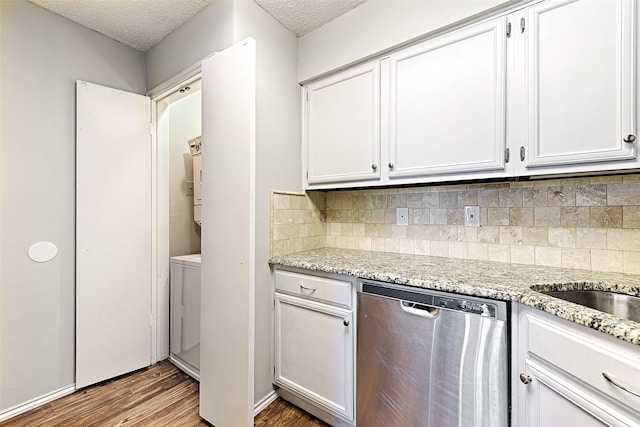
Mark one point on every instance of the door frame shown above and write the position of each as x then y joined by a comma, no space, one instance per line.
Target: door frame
160,263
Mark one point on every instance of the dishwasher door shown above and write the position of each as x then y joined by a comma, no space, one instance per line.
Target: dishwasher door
427,358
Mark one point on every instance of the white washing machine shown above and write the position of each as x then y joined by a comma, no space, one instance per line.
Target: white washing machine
185,313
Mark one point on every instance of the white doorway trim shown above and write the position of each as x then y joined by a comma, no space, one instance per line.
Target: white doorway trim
160,265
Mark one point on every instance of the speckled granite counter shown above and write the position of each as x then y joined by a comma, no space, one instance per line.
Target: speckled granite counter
510,282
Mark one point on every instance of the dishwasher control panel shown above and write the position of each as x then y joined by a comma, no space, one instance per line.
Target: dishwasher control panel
481,308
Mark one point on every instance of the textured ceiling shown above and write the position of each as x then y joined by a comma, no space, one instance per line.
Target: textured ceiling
303,16
143,23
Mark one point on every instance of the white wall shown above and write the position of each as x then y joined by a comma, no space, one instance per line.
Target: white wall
185,123
208,31
376,26
277,153
42,55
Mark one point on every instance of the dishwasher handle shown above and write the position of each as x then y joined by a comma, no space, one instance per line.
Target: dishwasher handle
419,309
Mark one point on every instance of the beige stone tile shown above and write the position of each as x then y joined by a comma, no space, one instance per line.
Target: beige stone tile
521,184
548,257
631,216
286,231
532,197
407,246
510,197
591,238
561,181
484,215
562,237
377,244
611,261
281,201
439,248
390,216
298,244
546,216
341,242
631,178
376,216
605,216
281,247
457,250
511,235
346,229
623,194
334,202
416,231
448,200
330,241
576,258
422,247
477,251
419,216
523,216
498,216
377,230
605,179
359,202
467,198
359,229
467,234
396,201
448,233
591,195
522,254
353,242
455,216
499,253
431,232
536,236
399,231
631,262
626,239
564,195
437,216
574,216
488,198
414,200
489,234
391,245
430,200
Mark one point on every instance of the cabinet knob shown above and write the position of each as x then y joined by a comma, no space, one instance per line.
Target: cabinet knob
374,166
345,322
525,378
390,165
630,139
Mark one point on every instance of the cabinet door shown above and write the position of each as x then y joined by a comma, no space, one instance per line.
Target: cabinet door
447,104
314,352
580,91
342,127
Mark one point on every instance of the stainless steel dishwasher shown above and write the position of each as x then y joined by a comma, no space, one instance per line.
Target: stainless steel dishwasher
427,358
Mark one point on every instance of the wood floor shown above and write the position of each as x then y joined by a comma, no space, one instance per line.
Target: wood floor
160,395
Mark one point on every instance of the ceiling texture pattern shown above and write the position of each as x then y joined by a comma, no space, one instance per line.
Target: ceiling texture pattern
142,24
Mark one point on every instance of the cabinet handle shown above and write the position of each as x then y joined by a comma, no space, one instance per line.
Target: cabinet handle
345,322
374,166
608,378
390,165
522,152
630,139
525,378
309,290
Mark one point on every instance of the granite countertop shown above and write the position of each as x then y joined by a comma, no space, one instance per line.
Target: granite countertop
502,281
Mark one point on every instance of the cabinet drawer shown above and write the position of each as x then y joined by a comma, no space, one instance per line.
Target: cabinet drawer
314,287
585,354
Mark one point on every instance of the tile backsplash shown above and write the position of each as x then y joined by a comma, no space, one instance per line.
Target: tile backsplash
586,223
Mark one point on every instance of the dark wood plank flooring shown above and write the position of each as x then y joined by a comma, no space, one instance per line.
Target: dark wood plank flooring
160,395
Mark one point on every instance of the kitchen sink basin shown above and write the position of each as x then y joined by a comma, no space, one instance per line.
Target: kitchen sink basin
621,305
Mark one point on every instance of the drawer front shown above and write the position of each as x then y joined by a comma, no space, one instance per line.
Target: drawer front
584,354
313,287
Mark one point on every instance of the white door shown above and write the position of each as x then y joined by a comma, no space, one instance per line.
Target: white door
314,352
447,104
228,237
113,233
581,82
342,126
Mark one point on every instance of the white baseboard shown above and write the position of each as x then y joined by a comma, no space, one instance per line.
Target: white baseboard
266,401
38,401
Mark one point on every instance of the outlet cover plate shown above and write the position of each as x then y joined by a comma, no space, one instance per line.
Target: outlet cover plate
402,216
472,216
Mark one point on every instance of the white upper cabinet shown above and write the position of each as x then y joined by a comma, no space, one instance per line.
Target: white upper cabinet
579,94
446,108
341,127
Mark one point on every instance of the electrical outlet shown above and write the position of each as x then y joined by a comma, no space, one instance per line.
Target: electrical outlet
402,216
472,216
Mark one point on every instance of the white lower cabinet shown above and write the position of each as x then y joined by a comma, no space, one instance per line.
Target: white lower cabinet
314,344
559,375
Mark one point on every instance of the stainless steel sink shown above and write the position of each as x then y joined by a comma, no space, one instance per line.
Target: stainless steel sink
621,305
